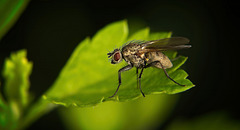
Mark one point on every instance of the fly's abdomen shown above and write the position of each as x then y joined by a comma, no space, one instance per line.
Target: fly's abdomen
158,56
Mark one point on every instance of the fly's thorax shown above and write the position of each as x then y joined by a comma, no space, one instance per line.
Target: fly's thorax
130,49
130,52
158,56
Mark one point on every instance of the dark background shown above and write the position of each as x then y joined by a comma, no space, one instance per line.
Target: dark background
51,29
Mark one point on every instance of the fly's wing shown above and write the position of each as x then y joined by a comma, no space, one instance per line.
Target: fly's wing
174,43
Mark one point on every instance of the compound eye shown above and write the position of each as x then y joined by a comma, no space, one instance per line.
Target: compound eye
117,56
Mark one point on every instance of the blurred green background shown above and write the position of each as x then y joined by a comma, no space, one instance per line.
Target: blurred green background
51,29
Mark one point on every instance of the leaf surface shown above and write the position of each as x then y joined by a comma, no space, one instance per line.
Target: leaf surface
88,78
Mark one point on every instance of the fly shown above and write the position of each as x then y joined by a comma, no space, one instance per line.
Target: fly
144,54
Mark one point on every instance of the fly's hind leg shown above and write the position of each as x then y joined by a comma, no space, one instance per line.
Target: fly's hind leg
154,63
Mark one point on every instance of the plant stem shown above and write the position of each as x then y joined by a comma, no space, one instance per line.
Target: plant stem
36,111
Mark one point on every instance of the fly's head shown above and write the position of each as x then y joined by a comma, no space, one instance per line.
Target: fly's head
115,56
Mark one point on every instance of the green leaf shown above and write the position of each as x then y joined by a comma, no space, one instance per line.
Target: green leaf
88,78
140,35
10,10
159,35
16,73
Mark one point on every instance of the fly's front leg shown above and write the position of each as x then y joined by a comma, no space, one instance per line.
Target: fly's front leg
126,68
154,63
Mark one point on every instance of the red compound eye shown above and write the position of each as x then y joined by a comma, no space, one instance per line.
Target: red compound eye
117,56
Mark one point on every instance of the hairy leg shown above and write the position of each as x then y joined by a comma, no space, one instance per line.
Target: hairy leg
154,63
126,68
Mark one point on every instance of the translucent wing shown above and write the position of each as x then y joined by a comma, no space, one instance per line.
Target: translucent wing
174,43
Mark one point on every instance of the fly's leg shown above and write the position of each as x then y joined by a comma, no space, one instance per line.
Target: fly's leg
139,80
126,68
154,63
137,77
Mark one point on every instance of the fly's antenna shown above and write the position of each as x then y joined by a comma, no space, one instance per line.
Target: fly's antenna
109,53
